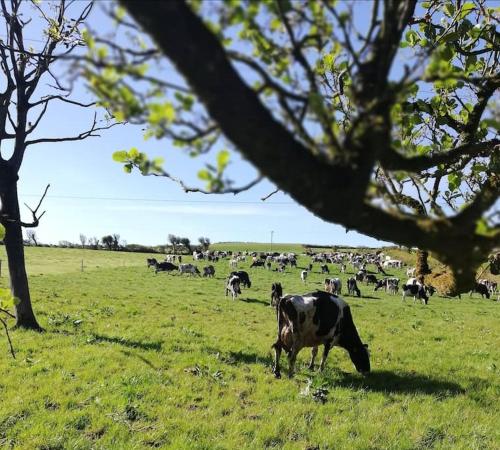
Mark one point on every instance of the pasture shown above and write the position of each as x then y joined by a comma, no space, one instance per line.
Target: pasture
130,359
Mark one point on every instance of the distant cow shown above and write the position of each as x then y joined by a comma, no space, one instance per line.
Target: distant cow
303,276
415,291
162,266
209,271
324,269
481,289
233,286
352,287
276,294
370,279
333,286
360,276
316,319
257,263
244,278
189,268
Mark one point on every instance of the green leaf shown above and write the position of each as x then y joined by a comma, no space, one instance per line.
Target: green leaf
127,168
7,300
120,156
222,160
204,174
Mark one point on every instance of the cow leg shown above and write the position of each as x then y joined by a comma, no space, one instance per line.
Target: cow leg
314,352
277,354
326,350
292,357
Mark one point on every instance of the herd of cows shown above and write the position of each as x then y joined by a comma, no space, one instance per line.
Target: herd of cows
320,317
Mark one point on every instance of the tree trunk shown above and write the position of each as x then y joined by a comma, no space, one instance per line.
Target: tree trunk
422,267
25,317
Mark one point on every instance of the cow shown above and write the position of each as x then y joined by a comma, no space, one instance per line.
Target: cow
333,285
343,268
257,263
352,287
233,263
360,276
268,265
410,272
244,278
233,286
162,266
416,291
481,289
370,278
303,276
189,268
315,319
209,271
325,269
276,294
151,262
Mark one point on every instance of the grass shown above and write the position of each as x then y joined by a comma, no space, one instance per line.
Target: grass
134,360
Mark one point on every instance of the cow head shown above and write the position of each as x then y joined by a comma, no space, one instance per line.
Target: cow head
360,357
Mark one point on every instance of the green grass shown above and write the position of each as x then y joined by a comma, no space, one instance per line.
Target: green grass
134,360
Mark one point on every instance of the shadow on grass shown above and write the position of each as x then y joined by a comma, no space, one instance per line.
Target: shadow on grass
156,345
254,300
242,357
367,296
144,360
400,383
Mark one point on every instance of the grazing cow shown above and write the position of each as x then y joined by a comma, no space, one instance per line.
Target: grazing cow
151,262
343,268
370,278
189,268
416,291
162,266
244,278
303,276
316,319
360,276
233,286
276,294
410,272
392,286
333,286
325,269
352,287
209,271
268,265
482,289
233,263
258,263
491,285
293,262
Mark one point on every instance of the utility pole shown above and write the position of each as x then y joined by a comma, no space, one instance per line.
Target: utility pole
272,232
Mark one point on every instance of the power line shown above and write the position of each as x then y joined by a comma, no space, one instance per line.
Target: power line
159,200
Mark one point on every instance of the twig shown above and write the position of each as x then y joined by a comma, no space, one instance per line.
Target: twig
4,323
269,195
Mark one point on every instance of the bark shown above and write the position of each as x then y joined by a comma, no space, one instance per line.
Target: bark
422,266
25,317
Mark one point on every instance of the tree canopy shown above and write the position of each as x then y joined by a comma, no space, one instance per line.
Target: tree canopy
387,124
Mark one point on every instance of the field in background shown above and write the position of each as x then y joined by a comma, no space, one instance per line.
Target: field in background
134,360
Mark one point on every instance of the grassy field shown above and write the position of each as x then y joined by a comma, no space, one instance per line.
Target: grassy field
133,360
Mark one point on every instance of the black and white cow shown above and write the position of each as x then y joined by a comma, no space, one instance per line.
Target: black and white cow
233,286
244,278
370,279
189,268
360,275
276,294
352,287
209,271
482,289
416,291
333,286
258,263
316,319
161,266
325,269
303,275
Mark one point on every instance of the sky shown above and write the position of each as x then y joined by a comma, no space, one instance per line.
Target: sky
90,193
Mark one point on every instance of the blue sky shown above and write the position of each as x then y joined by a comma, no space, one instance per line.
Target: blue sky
91,194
